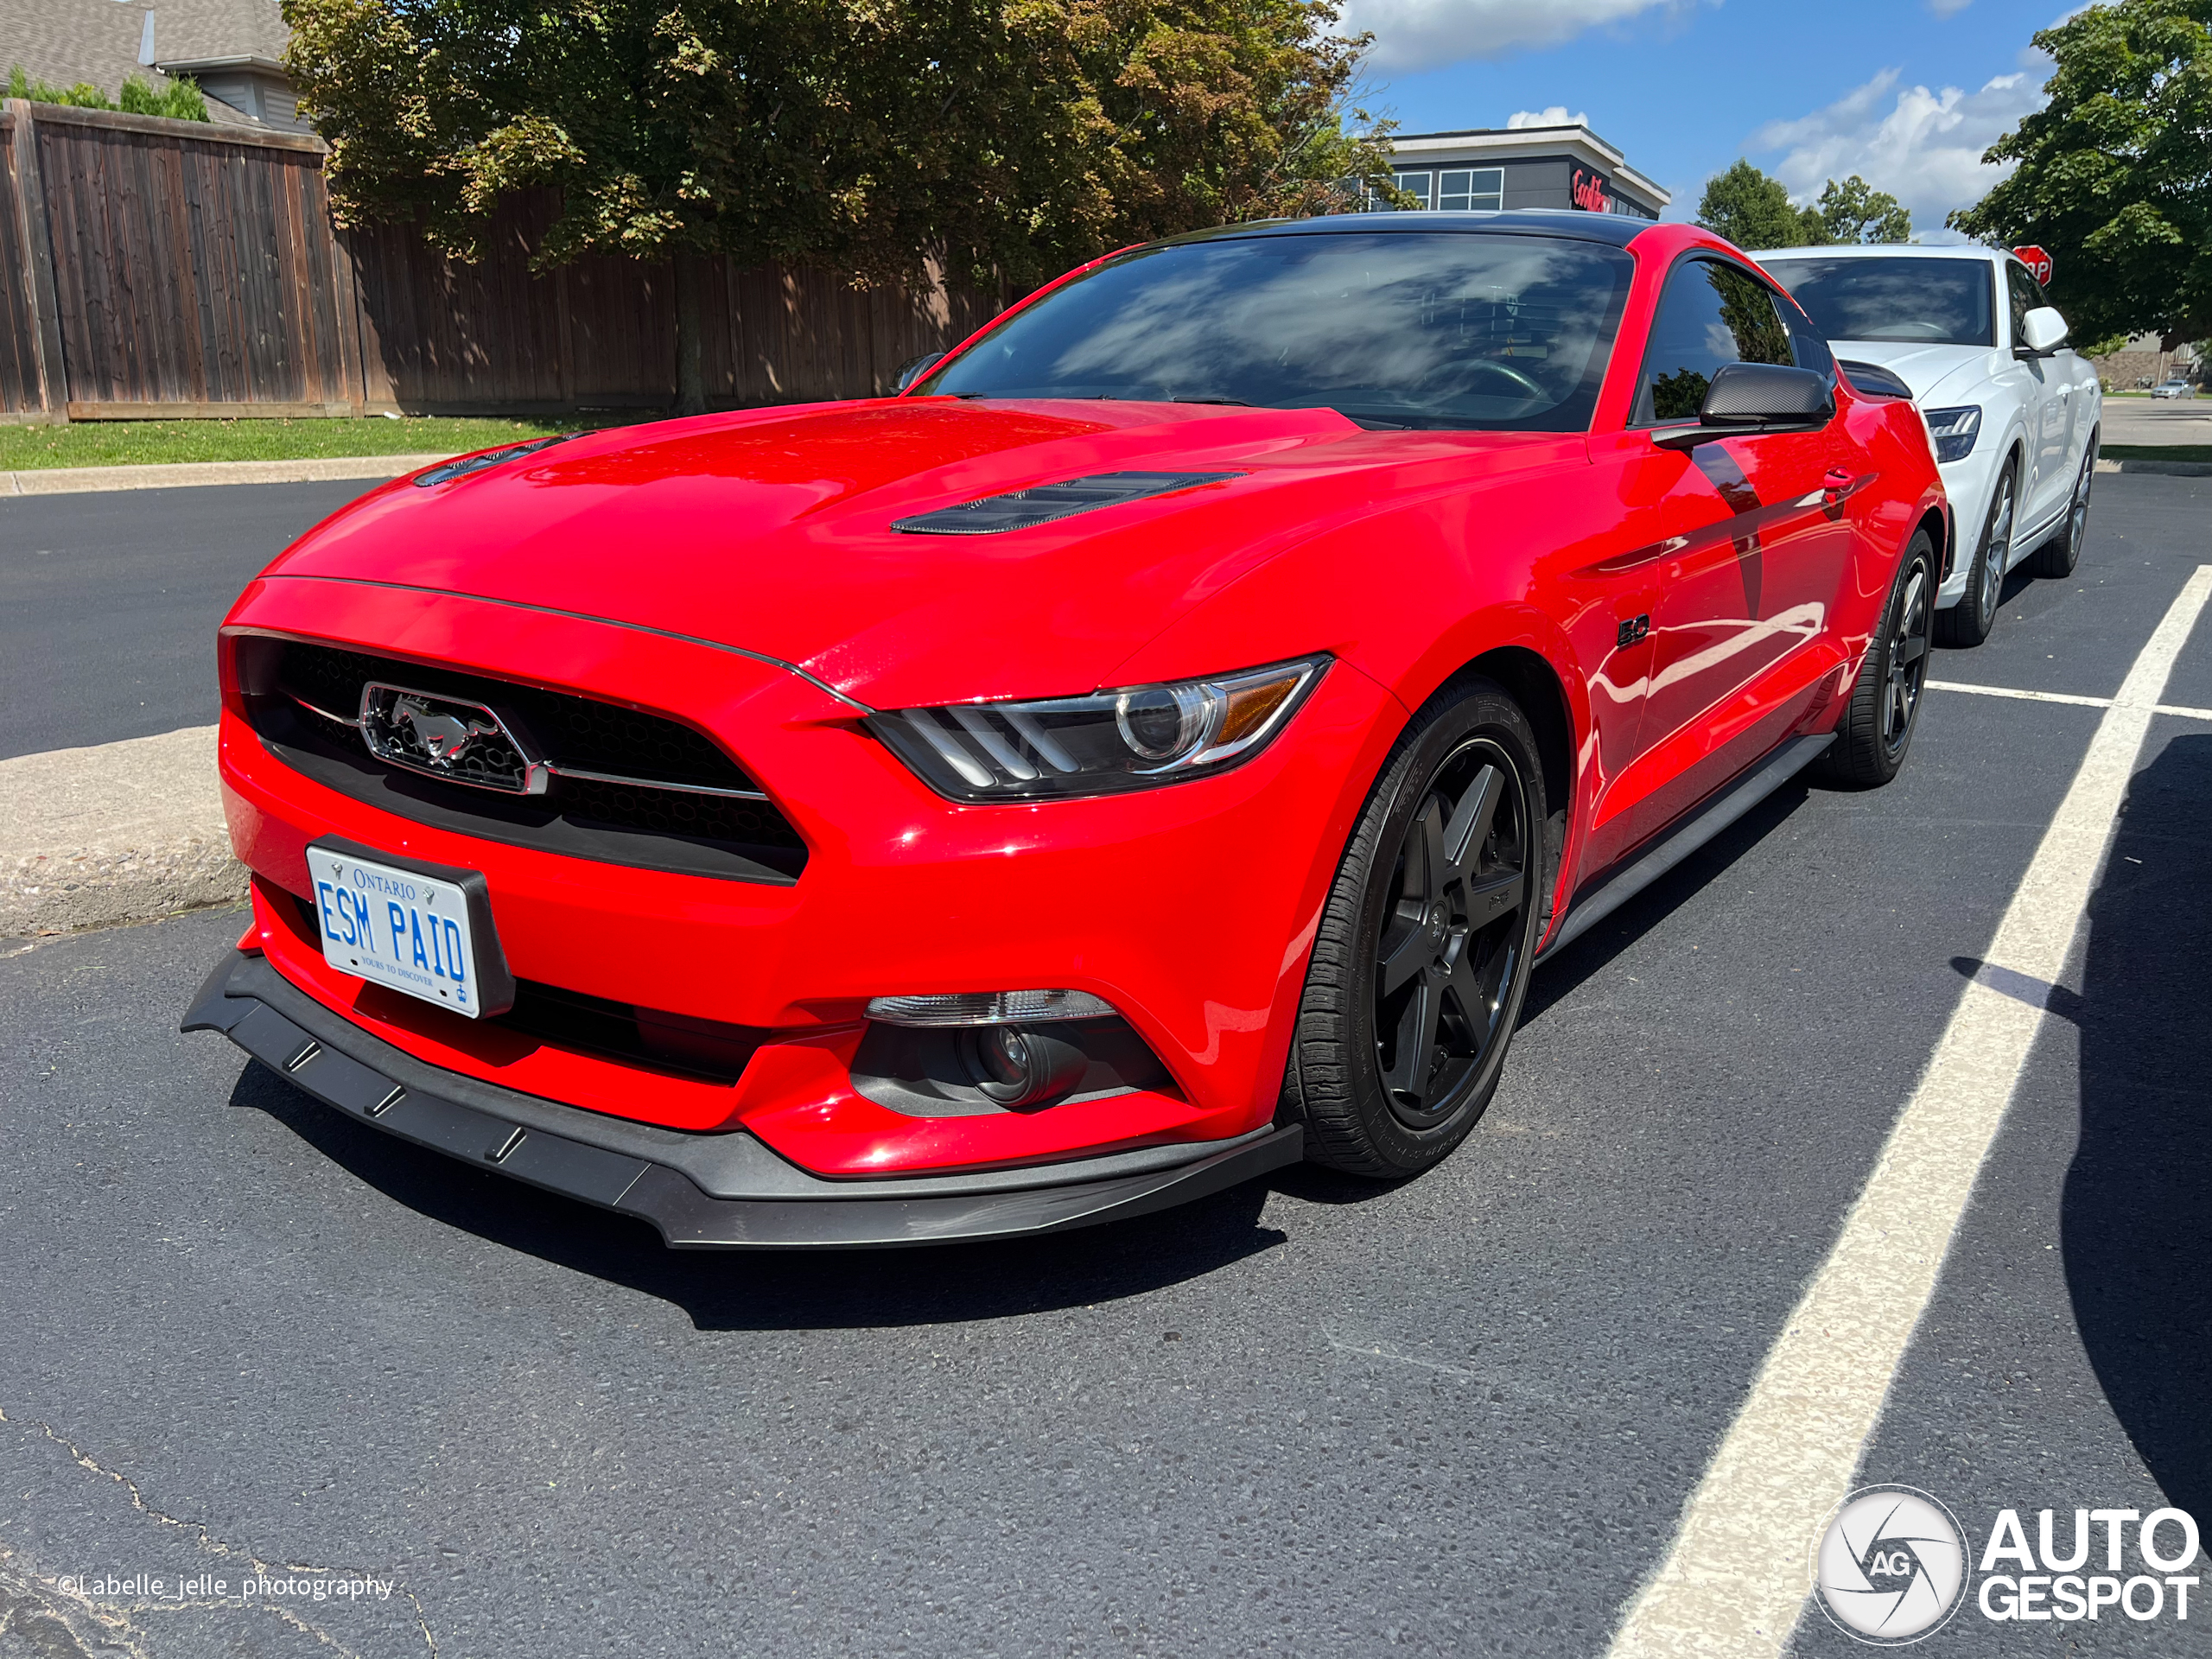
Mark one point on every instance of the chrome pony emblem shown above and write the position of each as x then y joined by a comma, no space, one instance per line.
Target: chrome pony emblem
444,737
450,738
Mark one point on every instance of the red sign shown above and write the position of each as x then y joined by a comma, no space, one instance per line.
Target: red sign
1588,190
2036,261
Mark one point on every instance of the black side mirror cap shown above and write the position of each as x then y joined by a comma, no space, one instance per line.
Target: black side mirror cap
913,369
1745,399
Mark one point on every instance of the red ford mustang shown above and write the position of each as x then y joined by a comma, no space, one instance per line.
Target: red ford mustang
1153,748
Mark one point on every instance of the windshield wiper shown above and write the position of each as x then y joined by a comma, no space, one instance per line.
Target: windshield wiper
1227,402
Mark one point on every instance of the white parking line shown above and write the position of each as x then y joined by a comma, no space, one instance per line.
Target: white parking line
2059,696
1736,1576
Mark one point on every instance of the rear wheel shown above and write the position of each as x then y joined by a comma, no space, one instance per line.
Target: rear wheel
1968,622
1877,729
1422,957
2058,556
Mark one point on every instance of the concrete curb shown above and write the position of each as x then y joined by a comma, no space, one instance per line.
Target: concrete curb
2169,468
125,832
71,480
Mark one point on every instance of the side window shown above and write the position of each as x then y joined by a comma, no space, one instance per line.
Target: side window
1812,352
1710,314
2027,294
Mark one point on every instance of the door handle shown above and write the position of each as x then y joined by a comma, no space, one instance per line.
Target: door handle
1836,482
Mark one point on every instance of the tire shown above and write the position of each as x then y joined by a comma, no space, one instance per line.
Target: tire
1875,730
1422,960
2058,556
1968,622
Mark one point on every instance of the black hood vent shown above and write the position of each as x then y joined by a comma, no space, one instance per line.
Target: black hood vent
1024,509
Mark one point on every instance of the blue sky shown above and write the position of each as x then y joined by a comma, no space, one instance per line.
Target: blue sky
1907,93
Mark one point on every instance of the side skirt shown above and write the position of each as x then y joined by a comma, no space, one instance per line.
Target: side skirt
1593,904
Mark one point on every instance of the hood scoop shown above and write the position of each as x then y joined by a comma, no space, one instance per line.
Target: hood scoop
993,515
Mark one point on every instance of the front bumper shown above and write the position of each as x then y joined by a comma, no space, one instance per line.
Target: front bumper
719,1190
1187,908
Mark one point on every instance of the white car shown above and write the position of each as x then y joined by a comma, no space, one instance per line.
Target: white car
2014,413
2173,389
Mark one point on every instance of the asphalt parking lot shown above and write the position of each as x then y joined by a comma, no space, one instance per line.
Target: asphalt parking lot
249,1338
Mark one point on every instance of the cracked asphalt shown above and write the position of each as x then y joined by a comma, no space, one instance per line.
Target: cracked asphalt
247,1339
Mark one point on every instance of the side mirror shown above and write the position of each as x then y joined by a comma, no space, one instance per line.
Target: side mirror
2042,331
913,369
1745,399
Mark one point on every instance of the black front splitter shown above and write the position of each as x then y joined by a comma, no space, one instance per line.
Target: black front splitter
723,1191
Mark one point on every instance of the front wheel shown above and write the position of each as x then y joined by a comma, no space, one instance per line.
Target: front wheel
1875,730
1968,622
1422,957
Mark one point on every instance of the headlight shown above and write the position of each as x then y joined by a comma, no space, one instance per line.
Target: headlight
1102,744
1954,431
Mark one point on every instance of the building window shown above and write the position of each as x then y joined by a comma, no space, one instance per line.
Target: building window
1416,185
1480,189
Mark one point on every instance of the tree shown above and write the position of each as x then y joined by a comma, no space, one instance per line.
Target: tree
1854,211
2111,176
1749,209
1010,137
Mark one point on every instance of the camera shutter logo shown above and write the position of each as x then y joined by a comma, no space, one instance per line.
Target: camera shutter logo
1890,1566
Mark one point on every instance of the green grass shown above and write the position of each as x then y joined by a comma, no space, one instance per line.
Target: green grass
2155,451
123,443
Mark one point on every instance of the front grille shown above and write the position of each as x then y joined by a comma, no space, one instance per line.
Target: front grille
580,733
626,787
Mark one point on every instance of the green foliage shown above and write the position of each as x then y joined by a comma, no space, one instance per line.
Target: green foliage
180,99
2111,177
1752,210
1854,211
1015,137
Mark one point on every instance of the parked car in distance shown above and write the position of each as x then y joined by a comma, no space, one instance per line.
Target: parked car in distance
2175,387
1151,749
2015,414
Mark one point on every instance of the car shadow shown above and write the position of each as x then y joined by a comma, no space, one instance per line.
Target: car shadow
764,1290
1559,976
2136,1217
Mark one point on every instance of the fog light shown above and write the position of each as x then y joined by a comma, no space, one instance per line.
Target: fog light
988,1007
1022,1069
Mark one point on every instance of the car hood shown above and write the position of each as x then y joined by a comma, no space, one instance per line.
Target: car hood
771,532
1937,374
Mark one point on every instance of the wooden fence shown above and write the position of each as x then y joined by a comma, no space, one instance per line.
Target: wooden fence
150,267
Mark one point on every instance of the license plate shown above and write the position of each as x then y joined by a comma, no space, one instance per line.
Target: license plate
398,928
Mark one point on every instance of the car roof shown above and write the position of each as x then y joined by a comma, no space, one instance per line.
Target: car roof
1616,229
1887,251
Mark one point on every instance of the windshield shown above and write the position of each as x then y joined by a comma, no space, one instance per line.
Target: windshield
1497,332
1937,301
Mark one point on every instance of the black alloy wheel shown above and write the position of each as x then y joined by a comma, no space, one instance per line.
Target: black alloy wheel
1877,726
1423,955
1450,943
1968,622
1905,662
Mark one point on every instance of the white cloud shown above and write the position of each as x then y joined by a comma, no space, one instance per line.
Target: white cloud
1554,115
1949,7
1923,147
1412,35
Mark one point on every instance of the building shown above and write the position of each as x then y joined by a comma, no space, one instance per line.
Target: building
1522,167
2144,361
234,49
